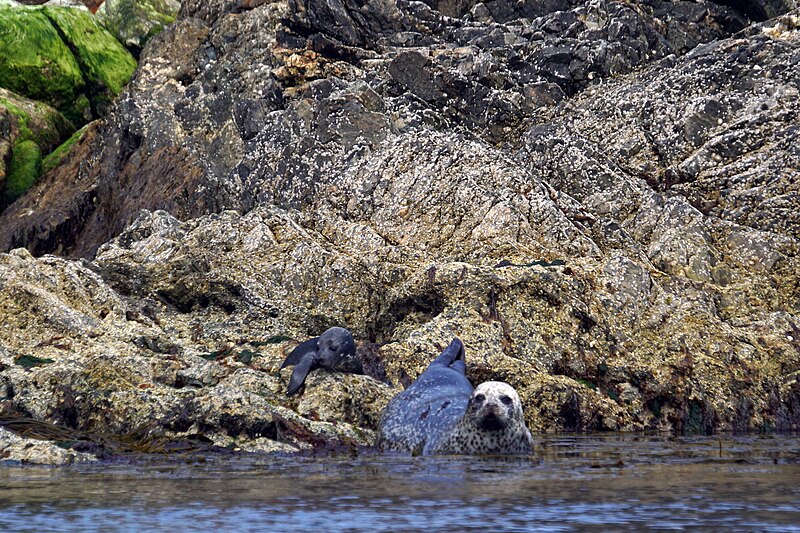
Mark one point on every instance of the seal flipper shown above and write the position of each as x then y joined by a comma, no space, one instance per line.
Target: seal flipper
296,355
454,352
417,419
300,372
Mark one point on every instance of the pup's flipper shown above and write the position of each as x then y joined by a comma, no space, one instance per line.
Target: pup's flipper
301,370
296,355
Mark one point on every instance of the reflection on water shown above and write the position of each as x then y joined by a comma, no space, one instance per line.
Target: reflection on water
571,483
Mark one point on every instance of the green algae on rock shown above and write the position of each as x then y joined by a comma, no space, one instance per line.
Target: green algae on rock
59,55
24,169
134,22
62,56
35,62
27,128
34,121
55,157
106,65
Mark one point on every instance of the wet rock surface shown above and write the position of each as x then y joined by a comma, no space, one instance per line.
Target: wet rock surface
599,198
14,448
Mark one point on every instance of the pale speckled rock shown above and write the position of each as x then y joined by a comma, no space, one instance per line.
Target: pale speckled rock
357,400
37,452
600,324
104,365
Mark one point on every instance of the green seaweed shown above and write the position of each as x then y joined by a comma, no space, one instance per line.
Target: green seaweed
30,361
655,405
36,63
586,383
37,121
56,156
611,393
693,420
105,63
24,169
246,356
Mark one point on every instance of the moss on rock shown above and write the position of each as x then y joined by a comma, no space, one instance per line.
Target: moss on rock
54,158
63,56
106,64
24,121
36,63
34,121
24,169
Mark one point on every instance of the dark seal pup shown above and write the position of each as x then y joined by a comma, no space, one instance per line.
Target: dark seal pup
440,413
333,350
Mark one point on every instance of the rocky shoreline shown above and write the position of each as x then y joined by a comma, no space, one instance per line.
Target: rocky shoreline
599,198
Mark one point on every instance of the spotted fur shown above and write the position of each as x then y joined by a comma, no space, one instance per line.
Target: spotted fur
492,424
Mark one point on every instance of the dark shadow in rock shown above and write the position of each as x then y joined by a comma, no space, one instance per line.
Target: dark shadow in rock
372,362
419,308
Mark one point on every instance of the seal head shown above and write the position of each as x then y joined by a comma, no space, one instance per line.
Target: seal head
492,424
334,350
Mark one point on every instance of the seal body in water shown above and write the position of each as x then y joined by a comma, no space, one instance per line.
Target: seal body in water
334,350
440,413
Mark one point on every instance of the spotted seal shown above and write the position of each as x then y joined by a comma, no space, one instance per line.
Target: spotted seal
334,350
440,413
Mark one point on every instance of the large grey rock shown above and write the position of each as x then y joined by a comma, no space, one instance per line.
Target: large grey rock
598,205
245,103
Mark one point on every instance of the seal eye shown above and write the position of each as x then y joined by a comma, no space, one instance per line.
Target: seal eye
333,348
479,398
506,400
